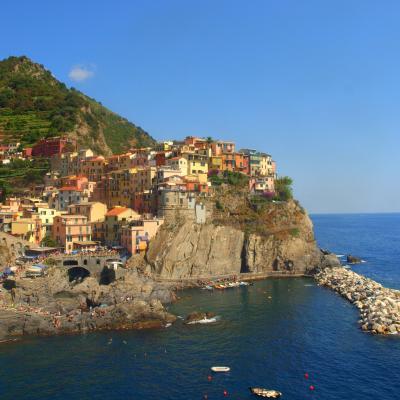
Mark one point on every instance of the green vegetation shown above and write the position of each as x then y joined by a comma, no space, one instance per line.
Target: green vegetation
34,105
283,188
218,205
295,232
20,173
48,241
230,178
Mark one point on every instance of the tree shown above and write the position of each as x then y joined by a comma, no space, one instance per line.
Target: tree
3,192
209,140
48,241
283,188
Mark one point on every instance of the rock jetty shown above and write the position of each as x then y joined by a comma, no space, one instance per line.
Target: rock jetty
379,306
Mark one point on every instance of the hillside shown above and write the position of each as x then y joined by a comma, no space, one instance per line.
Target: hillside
33,105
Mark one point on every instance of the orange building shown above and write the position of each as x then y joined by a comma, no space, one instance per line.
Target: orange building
219,147
242,163
70,229
228,162
93,168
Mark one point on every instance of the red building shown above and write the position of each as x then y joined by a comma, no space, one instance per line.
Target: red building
160,158
27,152
51,146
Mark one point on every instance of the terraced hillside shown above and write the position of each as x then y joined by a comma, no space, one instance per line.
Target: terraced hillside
33,105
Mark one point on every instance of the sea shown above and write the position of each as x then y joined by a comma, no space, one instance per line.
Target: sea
283,334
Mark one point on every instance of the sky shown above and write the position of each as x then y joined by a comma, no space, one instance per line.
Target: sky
314,83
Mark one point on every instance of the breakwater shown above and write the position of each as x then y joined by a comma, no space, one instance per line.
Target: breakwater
379,306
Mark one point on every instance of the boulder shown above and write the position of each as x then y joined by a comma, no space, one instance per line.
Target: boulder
197,316
353,259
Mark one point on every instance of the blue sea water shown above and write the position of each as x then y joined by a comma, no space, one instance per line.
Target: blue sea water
270,335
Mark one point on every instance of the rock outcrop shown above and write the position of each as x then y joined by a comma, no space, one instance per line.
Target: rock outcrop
194,250
279,242
379,306
52,305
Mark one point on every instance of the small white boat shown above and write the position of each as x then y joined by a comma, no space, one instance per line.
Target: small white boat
220,369
243,283
261,392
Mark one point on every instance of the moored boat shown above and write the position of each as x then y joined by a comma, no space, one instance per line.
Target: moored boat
267,393
220,369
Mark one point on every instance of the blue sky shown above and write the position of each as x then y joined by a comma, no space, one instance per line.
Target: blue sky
314,83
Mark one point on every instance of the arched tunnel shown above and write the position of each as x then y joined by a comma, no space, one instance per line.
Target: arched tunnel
77,274
107,276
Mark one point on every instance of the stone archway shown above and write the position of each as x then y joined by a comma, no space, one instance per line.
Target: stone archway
107,276
77,274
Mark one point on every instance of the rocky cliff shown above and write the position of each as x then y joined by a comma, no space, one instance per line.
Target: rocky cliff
275,239
54,305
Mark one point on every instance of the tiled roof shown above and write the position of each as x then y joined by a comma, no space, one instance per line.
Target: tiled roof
116,211
70,188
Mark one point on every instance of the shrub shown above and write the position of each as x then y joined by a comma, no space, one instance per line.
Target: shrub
295,232
283,188
218,205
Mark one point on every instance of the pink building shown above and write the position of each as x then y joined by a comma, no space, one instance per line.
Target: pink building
70,229
136,236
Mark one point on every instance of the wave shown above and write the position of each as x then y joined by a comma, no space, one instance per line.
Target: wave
205,320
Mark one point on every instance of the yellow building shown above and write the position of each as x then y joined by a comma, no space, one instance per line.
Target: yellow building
215,163
114,219
93,211
120,185
29,229
197,162
46,216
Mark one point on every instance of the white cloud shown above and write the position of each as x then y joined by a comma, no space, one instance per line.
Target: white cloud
80,73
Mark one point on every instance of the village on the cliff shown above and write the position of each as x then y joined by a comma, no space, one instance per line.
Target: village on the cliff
88,200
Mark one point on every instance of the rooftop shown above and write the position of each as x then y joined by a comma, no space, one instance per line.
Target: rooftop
116,211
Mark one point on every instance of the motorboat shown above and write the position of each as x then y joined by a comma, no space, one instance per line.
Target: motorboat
220,369
267,393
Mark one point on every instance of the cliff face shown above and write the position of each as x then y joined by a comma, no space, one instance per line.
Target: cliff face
190,250
280,242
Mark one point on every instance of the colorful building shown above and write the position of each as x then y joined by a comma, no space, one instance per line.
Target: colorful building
51,146
114,219
93,210
29,229
68,195
136,235
179,163
220,147
69,229
93,168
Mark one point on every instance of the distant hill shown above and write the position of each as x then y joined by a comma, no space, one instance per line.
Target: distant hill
34,104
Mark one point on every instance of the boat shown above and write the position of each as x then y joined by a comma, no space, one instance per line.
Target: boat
221,287
267,393
220,369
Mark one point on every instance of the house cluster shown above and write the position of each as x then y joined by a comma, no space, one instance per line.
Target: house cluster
89,200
